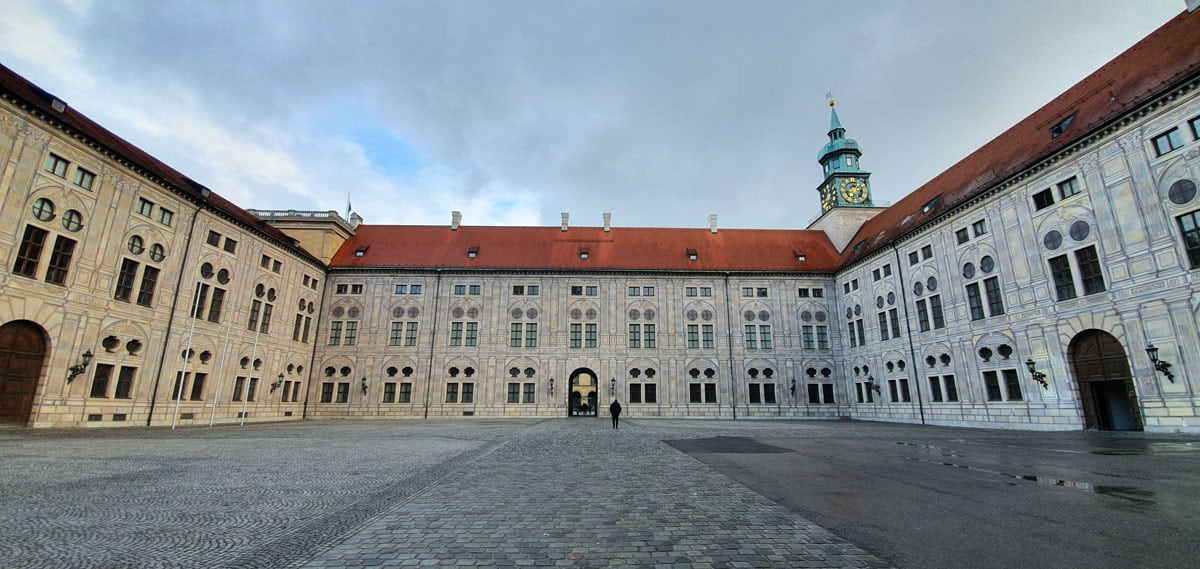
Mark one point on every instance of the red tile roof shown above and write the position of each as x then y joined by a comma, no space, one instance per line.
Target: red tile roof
550,248
40,102
1167,57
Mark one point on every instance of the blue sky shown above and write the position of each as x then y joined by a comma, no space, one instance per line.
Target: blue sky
660,112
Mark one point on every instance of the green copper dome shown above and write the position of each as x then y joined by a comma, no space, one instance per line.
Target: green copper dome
838,143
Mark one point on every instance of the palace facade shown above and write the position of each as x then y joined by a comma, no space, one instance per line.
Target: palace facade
1021,288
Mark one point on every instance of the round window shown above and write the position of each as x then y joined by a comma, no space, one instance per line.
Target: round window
135,244
72,220
43,209
157,253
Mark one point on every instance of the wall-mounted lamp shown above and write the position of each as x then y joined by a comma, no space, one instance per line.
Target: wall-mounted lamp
1161,366
612,387
364,385
278,382
75,370
1037,375
793,388
873,386
552,387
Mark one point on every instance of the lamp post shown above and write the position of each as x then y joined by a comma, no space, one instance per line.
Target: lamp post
1161,366
75,370
873,386
612,387
793,388
552,387
278,382
364,385
1037,375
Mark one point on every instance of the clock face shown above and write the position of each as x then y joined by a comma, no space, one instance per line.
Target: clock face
853,190
828,197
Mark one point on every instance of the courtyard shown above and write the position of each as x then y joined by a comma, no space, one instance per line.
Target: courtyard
575,492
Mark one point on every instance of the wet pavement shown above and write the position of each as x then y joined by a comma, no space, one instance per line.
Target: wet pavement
663,493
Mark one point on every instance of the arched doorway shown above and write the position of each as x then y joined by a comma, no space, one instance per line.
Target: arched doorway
22,356
1106,389
582,400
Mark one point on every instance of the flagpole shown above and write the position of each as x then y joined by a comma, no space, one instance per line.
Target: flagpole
186,357
246,393
221,366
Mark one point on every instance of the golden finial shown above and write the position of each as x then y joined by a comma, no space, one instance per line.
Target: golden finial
829,97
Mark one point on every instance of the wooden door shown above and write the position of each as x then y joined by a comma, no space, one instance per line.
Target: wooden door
22,356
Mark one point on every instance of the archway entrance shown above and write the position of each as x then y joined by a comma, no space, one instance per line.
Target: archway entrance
1106,389
582,400
22,356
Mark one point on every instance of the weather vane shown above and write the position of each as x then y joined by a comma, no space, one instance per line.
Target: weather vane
829,97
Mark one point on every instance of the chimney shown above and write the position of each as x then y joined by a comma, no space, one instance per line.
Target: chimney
355,220
455,219
712,223
565,215
607,222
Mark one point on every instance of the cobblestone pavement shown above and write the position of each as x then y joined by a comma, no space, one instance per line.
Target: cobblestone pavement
495,493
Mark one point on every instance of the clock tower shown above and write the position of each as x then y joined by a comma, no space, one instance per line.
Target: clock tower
846,184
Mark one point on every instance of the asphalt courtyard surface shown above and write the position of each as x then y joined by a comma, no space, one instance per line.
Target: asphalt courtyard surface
661,493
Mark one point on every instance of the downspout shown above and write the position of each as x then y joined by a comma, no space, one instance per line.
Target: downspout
162,360
437,293
912,349
729,344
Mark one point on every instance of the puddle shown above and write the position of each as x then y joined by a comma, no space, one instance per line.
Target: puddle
1131,493
726,445
1150,448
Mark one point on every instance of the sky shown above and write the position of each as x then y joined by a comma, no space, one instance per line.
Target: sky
660,112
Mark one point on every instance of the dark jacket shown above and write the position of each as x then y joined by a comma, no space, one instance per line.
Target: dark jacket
615,408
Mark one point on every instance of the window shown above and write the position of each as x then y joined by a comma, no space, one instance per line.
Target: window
590,291
401,289
125,278
531,335
518,290
341,289
514,392
1011,385
690,291
760,292
406,392
30,251
1189,231
961,236
43,209
747,292
198,387
1043,199
356,289
83,178
1064,283
979,227
1195,124
926,252
942,389
576,336
576,291
468,393
60,260
1163,143
343,392
410,334
635,291
995,299
1068,188
460,290
532,290
913,258
635,335
125,382
456,333
265,262
516,333
472,334
389,392
165,216
935,309
530,389
335,329
693,336
145,207
149,281
975,302
57,165
326,392
922,316
230,245
589,337
474,290
1089,270
100,381
883,329
451,393
415,289
706,291
350,338
751,337
702,392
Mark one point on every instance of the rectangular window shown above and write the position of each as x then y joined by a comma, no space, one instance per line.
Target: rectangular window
252,321
707,336
1068,187
514,393
635,335
995,299
827,392
356,289
894,318
100,380
307,327
814,393
696,393
252,389
230,245
472,334
650,393
415,289
165,216
341,289
853,338
765,338
576,335
887,270
706,291
199,300
913,258
296,327
265,327
710,393
396,335
1089,270
862,336
530,389
650,336
690,291
83,178
1043,199
590,291
1195,124
410,334
57,165
875,275
149,281
747,292
991,383
145,207
769,393
883,327
30,251
473,290
755,394
635,393
468,393
532,290
326,392
858,389
802,292
389,392
218,302
822,337
693,336
905,395
350,339
806,337
343,392
935,389
647,291
405,393
335,332
264,262
760,292
1189,231
518,290
276,266
589,338
979,227
935,310
456,333
1012,384
198,387
975,301
125,382
214,238
401,289
1166,142
576,291
751,337
951,388
515,333
926,252
922,316
60,260
893,393
635,291
1064,283
240,383
961,236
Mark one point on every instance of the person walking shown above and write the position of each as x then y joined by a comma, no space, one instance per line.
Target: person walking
615,410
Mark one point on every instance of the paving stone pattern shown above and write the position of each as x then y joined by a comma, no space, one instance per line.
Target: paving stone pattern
385,494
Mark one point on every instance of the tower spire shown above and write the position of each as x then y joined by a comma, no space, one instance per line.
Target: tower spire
846,184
